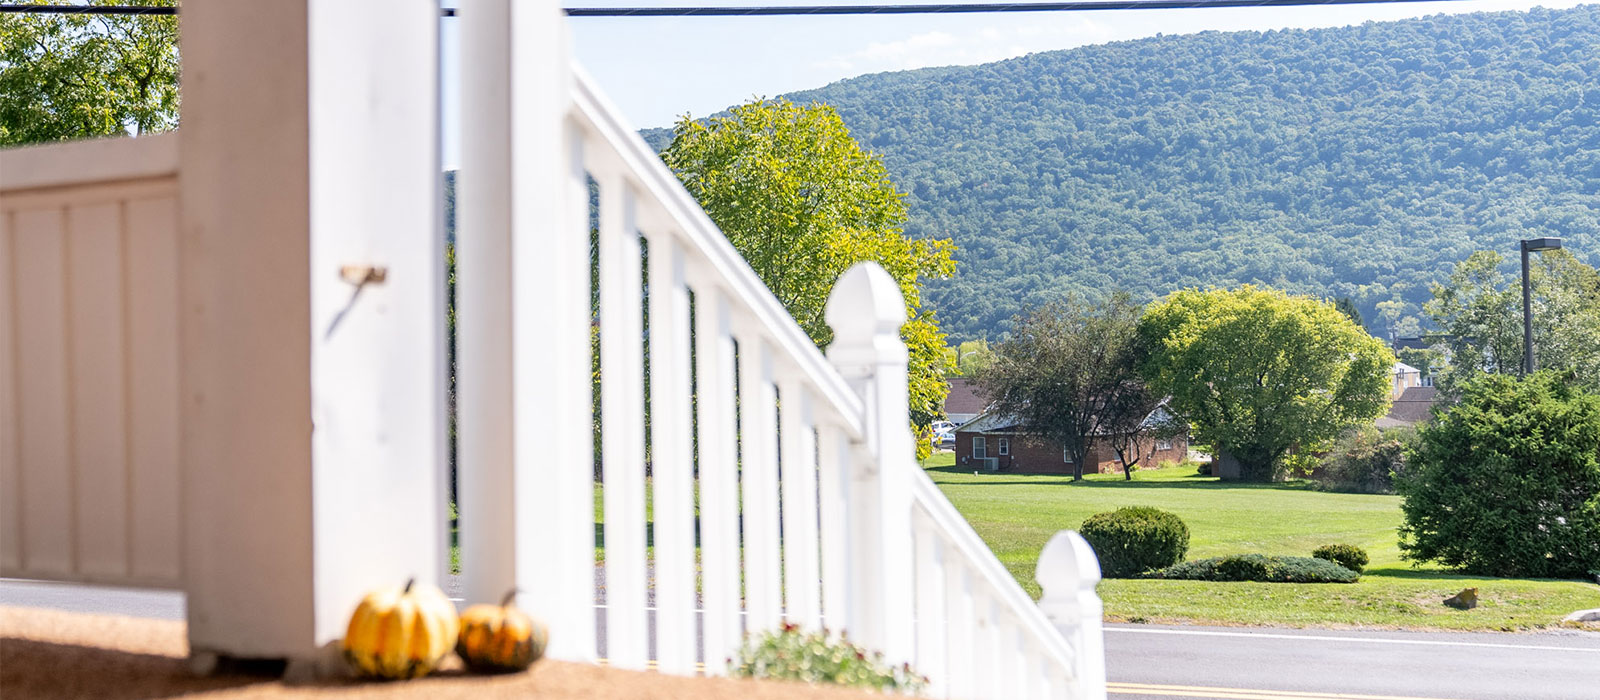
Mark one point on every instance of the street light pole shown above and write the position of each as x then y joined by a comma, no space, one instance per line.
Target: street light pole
1532,245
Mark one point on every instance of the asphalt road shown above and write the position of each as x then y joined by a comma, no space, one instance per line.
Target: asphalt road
1316,664
1151,662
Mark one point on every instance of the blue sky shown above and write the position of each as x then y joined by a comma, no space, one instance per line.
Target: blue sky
657,69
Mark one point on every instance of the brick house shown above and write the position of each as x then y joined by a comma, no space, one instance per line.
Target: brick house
963,403
1001,439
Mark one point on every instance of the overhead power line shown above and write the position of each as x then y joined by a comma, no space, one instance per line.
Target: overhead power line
953,8
87,10
793,10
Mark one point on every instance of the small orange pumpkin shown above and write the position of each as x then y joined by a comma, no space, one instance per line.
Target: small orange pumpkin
400,633
500,638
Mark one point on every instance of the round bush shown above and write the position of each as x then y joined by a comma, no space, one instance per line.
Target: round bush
1348,556
1258,567
1136,539
1507,482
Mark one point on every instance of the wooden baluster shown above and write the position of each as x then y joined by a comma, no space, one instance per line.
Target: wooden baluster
1022,684
758,474
959,622
833,496
986,656
565,401
1043,683
801,573
622,425
671,471
719,476
932,639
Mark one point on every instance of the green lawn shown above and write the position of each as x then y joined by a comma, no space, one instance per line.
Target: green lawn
1016,514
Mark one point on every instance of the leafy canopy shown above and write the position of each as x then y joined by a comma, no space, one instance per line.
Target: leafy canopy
1069,372
802,202
1259,372
80,76
1479,314
1507,482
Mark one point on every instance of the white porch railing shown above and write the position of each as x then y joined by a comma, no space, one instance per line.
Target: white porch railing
803,502
200,387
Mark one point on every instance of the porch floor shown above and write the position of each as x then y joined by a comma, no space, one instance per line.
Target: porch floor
49,654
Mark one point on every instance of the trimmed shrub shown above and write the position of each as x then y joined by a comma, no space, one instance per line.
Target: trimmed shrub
1258,567
1348,556
1507,482
1136,539
813,657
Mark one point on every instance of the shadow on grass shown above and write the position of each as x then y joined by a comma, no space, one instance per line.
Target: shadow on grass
1402,572
1193,481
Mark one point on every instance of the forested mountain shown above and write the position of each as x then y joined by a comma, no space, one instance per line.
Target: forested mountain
1360,161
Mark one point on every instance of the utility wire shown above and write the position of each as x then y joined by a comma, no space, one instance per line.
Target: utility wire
953,8
87,10
791,10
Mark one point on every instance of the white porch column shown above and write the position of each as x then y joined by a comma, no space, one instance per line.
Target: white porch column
525,463
312,297
866,312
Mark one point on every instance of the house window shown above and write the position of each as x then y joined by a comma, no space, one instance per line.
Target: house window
1163,444
1066,456
980,448
1005,446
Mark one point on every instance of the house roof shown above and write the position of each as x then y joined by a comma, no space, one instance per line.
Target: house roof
964,398
1411,343
989,422
1414,406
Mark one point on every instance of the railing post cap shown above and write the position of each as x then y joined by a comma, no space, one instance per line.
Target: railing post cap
865,302
1067,563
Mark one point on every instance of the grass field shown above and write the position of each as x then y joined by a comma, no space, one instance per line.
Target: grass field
1016,514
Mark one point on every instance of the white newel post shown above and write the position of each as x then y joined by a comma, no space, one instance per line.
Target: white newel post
866,311
312,316
1068,571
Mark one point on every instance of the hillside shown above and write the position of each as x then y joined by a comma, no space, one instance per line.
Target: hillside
1360,161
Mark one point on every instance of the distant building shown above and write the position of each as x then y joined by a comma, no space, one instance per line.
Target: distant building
963,402
1411,343
998,443
1404,376
1412,406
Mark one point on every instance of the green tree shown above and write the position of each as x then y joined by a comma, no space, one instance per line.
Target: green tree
1259,372
1507,482
1479,312
80,76
1347,306
969,357
802,202
1069,372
